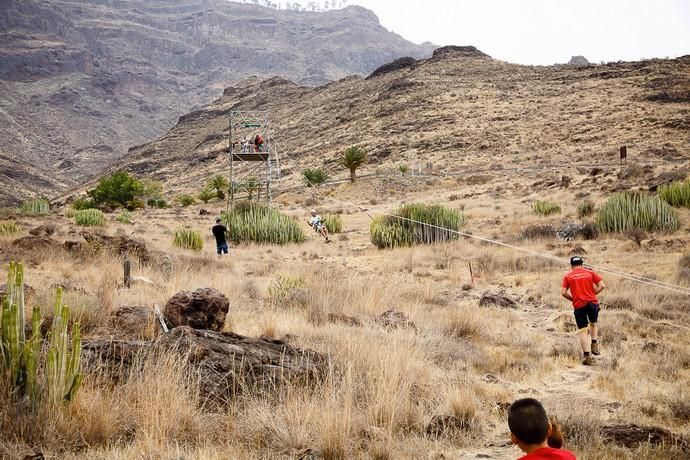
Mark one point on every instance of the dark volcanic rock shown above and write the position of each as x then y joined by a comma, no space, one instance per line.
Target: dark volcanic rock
490,299
462,51
398,64
119,245
394,319
632,436
201,309
134,321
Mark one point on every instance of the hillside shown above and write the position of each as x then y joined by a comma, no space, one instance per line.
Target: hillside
81,82
458,110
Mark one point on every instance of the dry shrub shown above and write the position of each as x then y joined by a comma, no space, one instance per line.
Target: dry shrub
619,303
684,269
538,232
679,404
636,235
580,427
464,324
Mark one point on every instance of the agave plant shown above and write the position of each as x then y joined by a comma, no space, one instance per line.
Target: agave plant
89,218
415,224
676,194
186,238
35,207
626,211
545,208
9,228
261,224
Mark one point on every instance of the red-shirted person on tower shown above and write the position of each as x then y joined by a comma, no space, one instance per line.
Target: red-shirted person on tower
530,431
581,286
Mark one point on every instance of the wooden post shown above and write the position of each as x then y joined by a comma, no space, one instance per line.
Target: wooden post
624,154
471,273
127,268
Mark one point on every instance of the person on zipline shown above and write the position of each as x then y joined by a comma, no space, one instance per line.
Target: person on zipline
219,232
581,287
318,225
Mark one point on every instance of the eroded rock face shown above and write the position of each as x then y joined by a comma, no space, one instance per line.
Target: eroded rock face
121,246
33,243
204,308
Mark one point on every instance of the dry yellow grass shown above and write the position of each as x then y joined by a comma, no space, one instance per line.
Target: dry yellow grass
382,387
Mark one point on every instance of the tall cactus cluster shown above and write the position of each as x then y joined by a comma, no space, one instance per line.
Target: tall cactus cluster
415,224
20,358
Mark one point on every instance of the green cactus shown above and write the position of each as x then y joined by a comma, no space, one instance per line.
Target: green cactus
62,365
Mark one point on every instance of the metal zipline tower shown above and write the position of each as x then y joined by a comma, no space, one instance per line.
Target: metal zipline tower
246,157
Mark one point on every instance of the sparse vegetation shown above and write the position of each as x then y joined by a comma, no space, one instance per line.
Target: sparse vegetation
676,194
353,158
187,238
334,223
545,208
82,203
9,228
35,207
415,224
219,185
287,291
684,268
404,169
118,190
89,218
585,208
314,177
185,200
626,211
206,195
261,224
125,217
252,186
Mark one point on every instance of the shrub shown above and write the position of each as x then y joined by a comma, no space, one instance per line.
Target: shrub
585,208
437,224
684,268
261,224
89,218
288,291
404,169
70,212
206,195
157,203
9,228
21,371
82,203
539,231
187,238
314,177
625,211
125,217
353,158
251,185
35,207
545,208
185,200
117,190
334,223
219,185
676,194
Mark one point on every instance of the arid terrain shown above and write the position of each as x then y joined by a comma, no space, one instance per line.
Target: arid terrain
81,82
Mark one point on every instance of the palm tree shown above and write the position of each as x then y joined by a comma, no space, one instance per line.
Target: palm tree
354,158
220,185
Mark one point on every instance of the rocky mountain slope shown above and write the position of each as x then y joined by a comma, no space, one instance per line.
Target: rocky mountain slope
458,112
82,81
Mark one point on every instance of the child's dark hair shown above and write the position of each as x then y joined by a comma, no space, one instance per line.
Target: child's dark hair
527,420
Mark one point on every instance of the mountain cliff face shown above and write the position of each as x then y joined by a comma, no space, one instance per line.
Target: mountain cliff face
459,111
82,81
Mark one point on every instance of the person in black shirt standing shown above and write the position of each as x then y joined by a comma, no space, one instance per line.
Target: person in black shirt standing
219,231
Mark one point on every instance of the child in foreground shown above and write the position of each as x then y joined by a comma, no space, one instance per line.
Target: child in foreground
531,430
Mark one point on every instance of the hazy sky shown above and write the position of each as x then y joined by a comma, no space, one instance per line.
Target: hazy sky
544,31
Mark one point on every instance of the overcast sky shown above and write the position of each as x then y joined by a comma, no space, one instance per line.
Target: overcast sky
544,31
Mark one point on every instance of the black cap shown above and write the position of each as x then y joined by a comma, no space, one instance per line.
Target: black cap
218,219
576,260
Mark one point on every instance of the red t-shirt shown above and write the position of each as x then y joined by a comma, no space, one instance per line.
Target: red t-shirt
581,284
549,453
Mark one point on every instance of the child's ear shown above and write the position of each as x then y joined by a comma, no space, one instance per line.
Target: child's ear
513,439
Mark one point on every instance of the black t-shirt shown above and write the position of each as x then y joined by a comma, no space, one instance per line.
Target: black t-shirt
219,232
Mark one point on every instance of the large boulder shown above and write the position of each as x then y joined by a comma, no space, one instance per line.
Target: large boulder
204,308
121,246
43,230
135,321
35,244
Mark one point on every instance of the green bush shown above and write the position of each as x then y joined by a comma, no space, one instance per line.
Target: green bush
404,169
206,195
353,158
70,212
9,228
21,372
82,203
35,207
437,224
185,200
117,190
585,208
314,177
261,224
287,291
89,218
545,208
626,211
125,217
157,203
334,223
219,184
186,238
676,194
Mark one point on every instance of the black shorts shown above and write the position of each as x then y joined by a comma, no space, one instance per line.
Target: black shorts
586,315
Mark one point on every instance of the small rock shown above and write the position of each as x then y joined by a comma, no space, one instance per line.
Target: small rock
493,299
43,230
133,321
578,251
203,212
204,308
394,319
466,287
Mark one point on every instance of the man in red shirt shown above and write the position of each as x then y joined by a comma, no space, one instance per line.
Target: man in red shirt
530,430
581,286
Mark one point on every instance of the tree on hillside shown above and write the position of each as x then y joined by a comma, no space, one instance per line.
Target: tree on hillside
118,190
220,185
353,158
